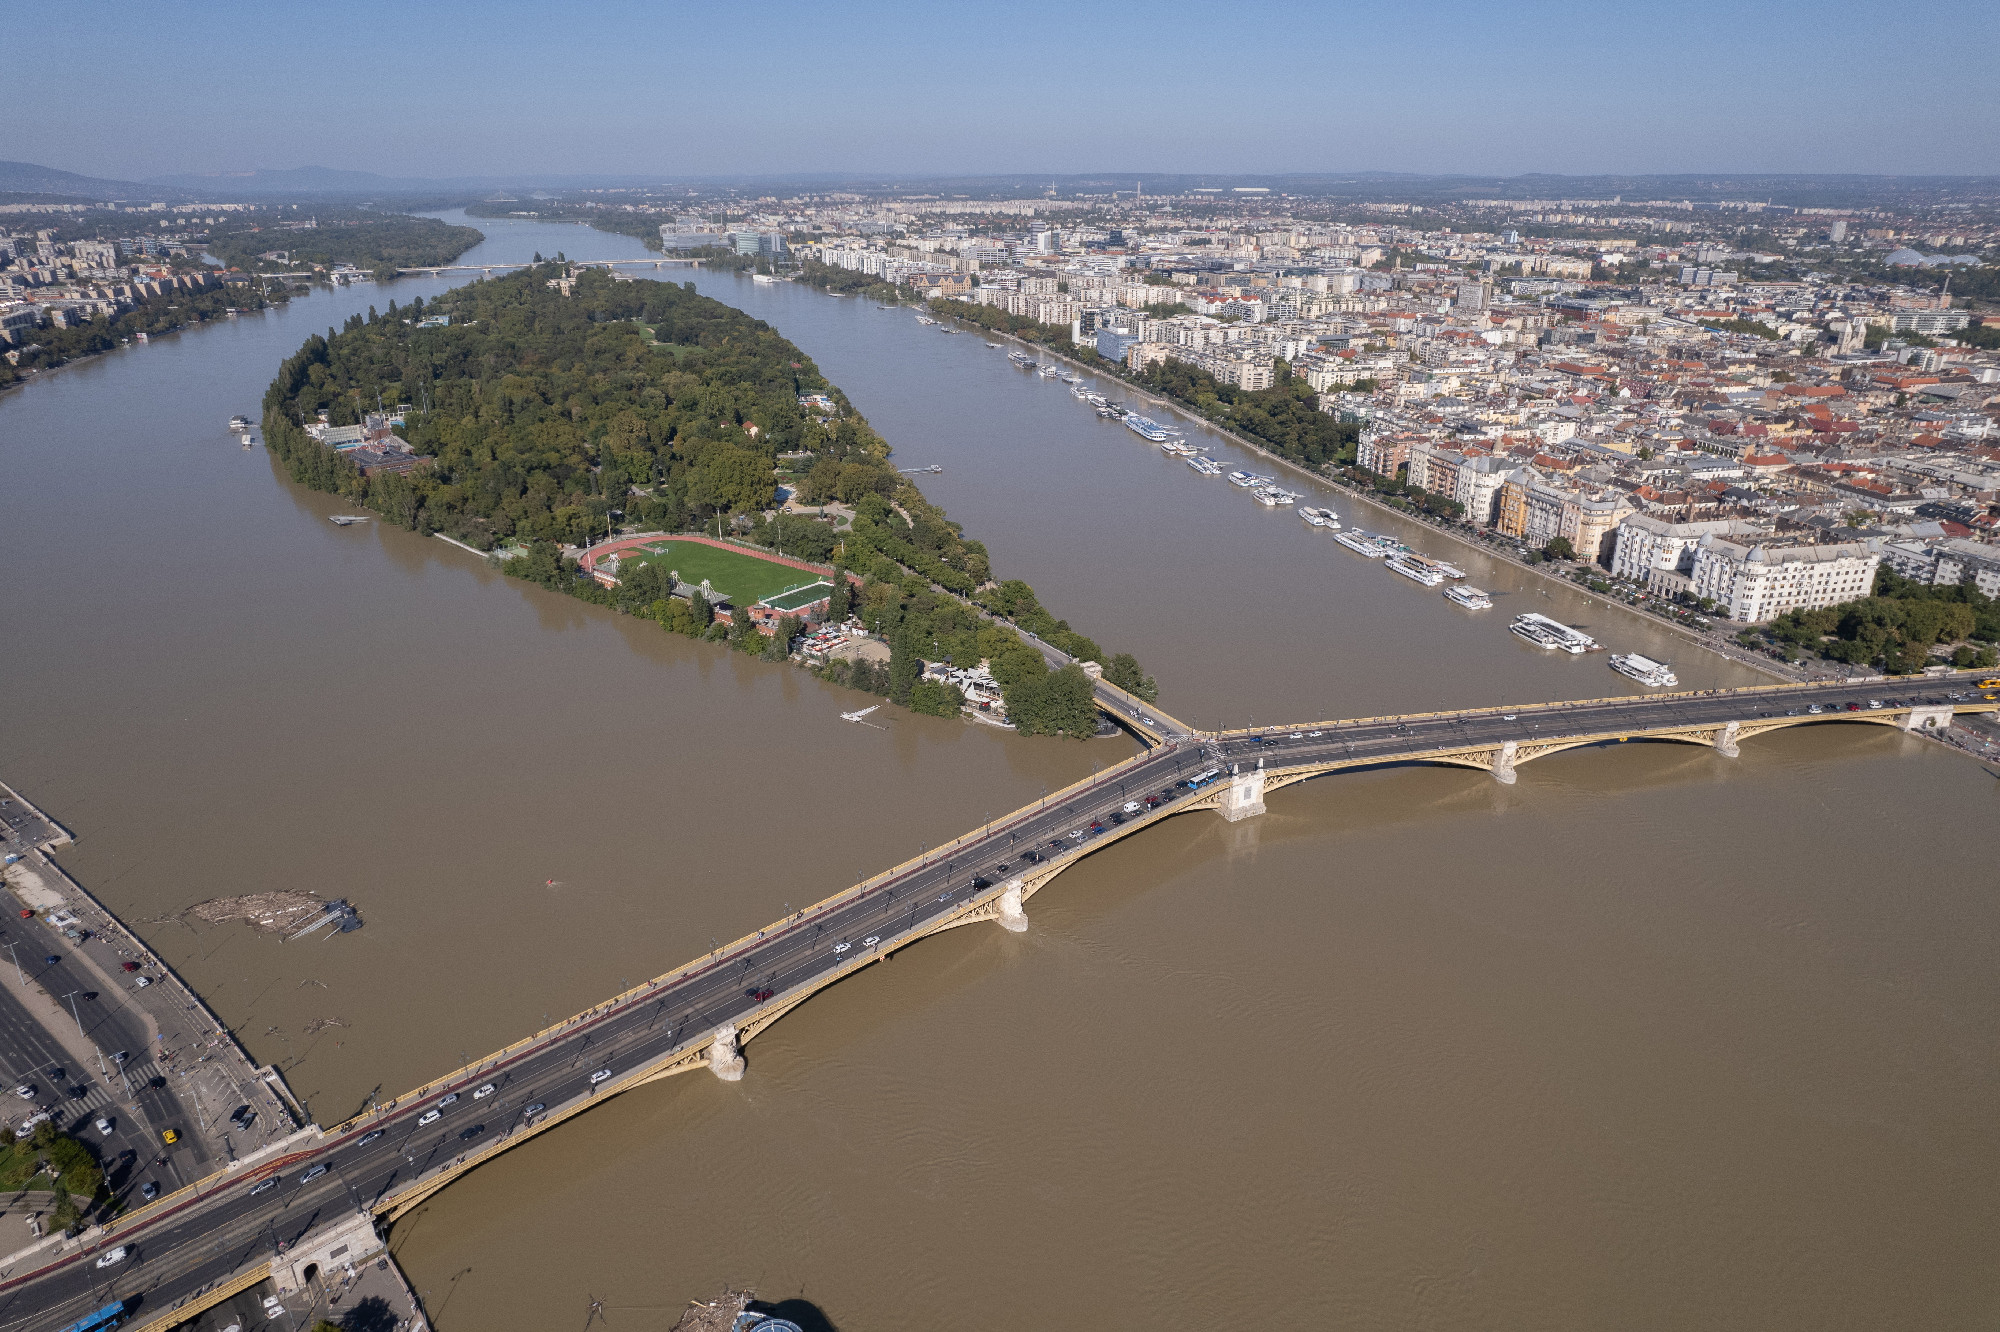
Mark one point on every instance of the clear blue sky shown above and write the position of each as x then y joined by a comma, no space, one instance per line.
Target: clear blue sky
672,88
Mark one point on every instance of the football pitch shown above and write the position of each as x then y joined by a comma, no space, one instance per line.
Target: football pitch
744,579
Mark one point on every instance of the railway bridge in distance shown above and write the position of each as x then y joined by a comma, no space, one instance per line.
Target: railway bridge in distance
293,1211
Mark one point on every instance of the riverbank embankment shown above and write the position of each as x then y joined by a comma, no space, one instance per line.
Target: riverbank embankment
1543,572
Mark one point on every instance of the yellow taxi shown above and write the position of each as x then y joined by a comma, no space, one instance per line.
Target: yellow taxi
170,1136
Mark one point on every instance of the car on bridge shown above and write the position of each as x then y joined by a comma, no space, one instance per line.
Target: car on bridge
429,1117
369,1137
313,1174
599,1076
116,1256
472,1133
484,1092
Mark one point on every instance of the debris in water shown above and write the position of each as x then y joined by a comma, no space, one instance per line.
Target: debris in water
719,1315
277,912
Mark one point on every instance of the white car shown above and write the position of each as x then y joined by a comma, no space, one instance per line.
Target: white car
104,1126
26,1091
1131,807
599,1076
429,1117
116,1256
840,948
483,1092
871,941
142,982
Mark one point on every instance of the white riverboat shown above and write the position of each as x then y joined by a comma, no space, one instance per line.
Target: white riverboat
1423,568
1464,594
1366,543
1652,674
1146,428
1416,568
1553,634
1321,517
1205,465
1273,498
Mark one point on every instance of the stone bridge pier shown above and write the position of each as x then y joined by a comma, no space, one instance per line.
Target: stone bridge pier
1243,798
1936,718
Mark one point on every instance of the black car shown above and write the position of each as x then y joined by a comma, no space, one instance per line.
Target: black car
1116,818
1001,868
1055,844
1032,857
241,1116
472,1133
980,881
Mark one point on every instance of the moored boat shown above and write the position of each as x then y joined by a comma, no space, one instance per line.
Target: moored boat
1553,634
1146,428
1206,466
1365,543
1320,517
1652,674
1417,568
1469,597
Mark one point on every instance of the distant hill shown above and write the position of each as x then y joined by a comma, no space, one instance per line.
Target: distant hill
293,180
27,178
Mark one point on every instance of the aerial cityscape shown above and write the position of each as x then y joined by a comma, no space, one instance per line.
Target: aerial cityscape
508,609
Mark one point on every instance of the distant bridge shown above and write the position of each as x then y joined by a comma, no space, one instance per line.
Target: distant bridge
229,1231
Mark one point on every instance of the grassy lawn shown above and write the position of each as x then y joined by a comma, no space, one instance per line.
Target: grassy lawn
745,579
17,1167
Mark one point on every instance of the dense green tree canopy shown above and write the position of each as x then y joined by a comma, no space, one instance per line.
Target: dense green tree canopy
550,416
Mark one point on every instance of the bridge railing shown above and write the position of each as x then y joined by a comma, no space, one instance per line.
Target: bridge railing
1554,706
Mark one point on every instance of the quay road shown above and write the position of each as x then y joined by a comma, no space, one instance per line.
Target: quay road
385,1160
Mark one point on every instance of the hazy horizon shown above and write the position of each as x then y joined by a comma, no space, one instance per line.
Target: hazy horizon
682,91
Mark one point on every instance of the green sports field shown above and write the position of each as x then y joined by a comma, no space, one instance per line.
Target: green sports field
744,579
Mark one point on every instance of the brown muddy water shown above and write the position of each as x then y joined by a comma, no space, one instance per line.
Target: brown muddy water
1652,1039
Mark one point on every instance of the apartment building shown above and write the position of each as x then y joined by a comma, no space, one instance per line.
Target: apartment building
1755,583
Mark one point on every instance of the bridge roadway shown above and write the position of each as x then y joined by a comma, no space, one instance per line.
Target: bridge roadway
220,1233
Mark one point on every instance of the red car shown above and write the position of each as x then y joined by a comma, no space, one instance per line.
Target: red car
128,966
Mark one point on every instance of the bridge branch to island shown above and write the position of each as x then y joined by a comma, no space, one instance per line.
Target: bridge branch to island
237,1227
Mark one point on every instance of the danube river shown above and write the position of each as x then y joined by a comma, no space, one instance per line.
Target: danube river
1652,1039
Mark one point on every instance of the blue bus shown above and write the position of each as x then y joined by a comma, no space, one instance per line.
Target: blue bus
110,1316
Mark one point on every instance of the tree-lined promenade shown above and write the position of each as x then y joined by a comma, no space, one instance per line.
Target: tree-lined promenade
550,415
